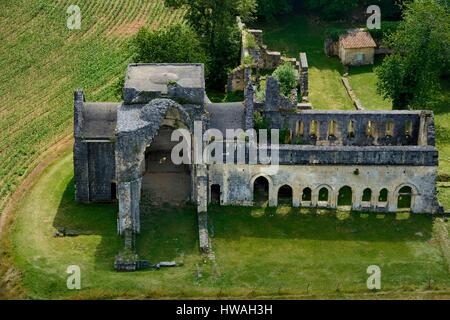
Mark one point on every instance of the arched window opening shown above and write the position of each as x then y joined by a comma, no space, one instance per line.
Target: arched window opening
404,198
285,195
367,195
345,196
383,197
306,196
261,191
323,195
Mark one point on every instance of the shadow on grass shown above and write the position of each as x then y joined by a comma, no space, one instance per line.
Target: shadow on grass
168,232
317,224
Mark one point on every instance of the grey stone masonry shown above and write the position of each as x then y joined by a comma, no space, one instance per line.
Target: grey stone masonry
180,82
94,161
355,128
275,101
303,73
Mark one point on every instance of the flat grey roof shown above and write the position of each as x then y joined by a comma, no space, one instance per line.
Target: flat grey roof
99,120
155,77
226,116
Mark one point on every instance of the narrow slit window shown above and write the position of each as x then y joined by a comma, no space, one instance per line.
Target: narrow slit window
299,130
370,128
332,125
408,128
288,137
390,128
314,129
350,130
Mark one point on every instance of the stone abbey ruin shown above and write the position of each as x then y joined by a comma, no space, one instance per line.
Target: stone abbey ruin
380,161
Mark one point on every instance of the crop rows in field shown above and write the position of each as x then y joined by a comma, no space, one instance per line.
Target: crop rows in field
43,62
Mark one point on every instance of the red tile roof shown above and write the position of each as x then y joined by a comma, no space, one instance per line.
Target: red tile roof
357,39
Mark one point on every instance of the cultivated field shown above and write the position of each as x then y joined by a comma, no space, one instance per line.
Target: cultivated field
43,62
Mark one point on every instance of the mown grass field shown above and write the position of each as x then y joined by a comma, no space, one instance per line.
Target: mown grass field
43,62
257,252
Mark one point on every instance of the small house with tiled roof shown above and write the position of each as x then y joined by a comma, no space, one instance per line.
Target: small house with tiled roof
357,47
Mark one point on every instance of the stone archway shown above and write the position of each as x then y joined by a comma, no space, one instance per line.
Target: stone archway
142,138
261,188
162,180
285,195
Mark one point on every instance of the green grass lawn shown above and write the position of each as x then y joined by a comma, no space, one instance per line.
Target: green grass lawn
292,35
257,252
364,83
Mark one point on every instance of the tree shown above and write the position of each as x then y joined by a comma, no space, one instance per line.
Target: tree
287,76
174,44
214,21
268,9
421,51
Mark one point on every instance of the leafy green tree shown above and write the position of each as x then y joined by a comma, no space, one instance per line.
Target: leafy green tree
174,44
214,21
421,54
268,9
287,76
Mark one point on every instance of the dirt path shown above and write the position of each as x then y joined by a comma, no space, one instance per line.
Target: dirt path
47,157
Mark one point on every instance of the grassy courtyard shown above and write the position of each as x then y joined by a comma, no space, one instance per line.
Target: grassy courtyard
257,252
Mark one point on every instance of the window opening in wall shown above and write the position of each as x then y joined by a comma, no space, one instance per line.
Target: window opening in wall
370,129
215,194
408,128
332,127
323,195
383,195
404,198
314,129
345,196
350,130
261,191
390,128
285,195
306,196
113,191
299,129
367,195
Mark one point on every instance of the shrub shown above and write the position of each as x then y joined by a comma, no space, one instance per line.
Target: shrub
387,28
248,60
175,44
287,76
250,41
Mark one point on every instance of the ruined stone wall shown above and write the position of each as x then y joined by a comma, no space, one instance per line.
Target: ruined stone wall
101,168
94,161
237,183
358,128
